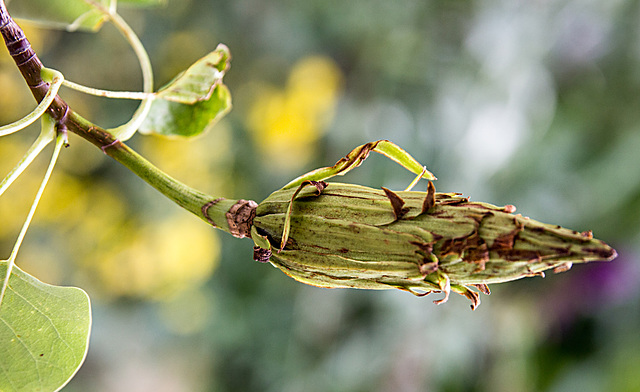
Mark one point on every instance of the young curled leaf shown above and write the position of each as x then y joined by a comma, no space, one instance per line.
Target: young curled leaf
170,118
197,83
194,100
358,155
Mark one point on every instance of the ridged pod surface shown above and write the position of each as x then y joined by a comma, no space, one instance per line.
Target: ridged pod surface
345,235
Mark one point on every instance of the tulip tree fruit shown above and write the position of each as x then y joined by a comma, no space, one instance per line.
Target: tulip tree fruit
321,233
346,235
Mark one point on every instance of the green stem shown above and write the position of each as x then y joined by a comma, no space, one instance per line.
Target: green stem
210,209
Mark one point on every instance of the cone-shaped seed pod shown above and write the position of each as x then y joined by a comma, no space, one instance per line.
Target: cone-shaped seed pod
344,235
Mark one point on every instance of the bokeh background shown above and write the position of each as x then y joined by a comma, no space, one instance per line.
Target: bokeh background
535,104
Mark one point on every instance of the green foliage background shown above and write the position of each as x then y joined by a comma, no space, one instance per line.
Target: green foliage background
532,104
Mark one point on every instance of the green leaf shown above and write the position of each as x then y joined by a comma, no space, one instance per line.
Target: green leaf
44,333
67,14
199,80
194,100
177,119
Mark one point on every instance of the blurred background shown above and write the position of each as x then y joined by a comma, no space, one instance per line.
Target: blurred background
511,102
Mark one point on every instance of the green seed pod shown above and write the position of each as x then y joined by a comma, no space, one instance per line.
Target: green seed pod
343,235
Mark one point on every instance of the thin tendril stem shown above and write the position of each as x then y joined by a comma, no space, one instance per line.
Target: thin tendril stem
60,140
125,131
42,107
46,136
108,93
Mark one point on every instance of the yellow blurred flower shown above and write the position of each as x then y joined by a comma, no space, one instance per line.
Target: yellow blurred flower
159,260
14,204
287,123
16,101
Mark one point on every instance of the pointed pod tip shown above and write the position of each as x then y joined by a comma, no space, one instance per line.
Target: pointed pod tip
600,252
612,254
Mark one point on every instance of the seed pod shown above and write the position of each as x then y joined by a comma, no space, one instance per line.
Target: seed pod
343,235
